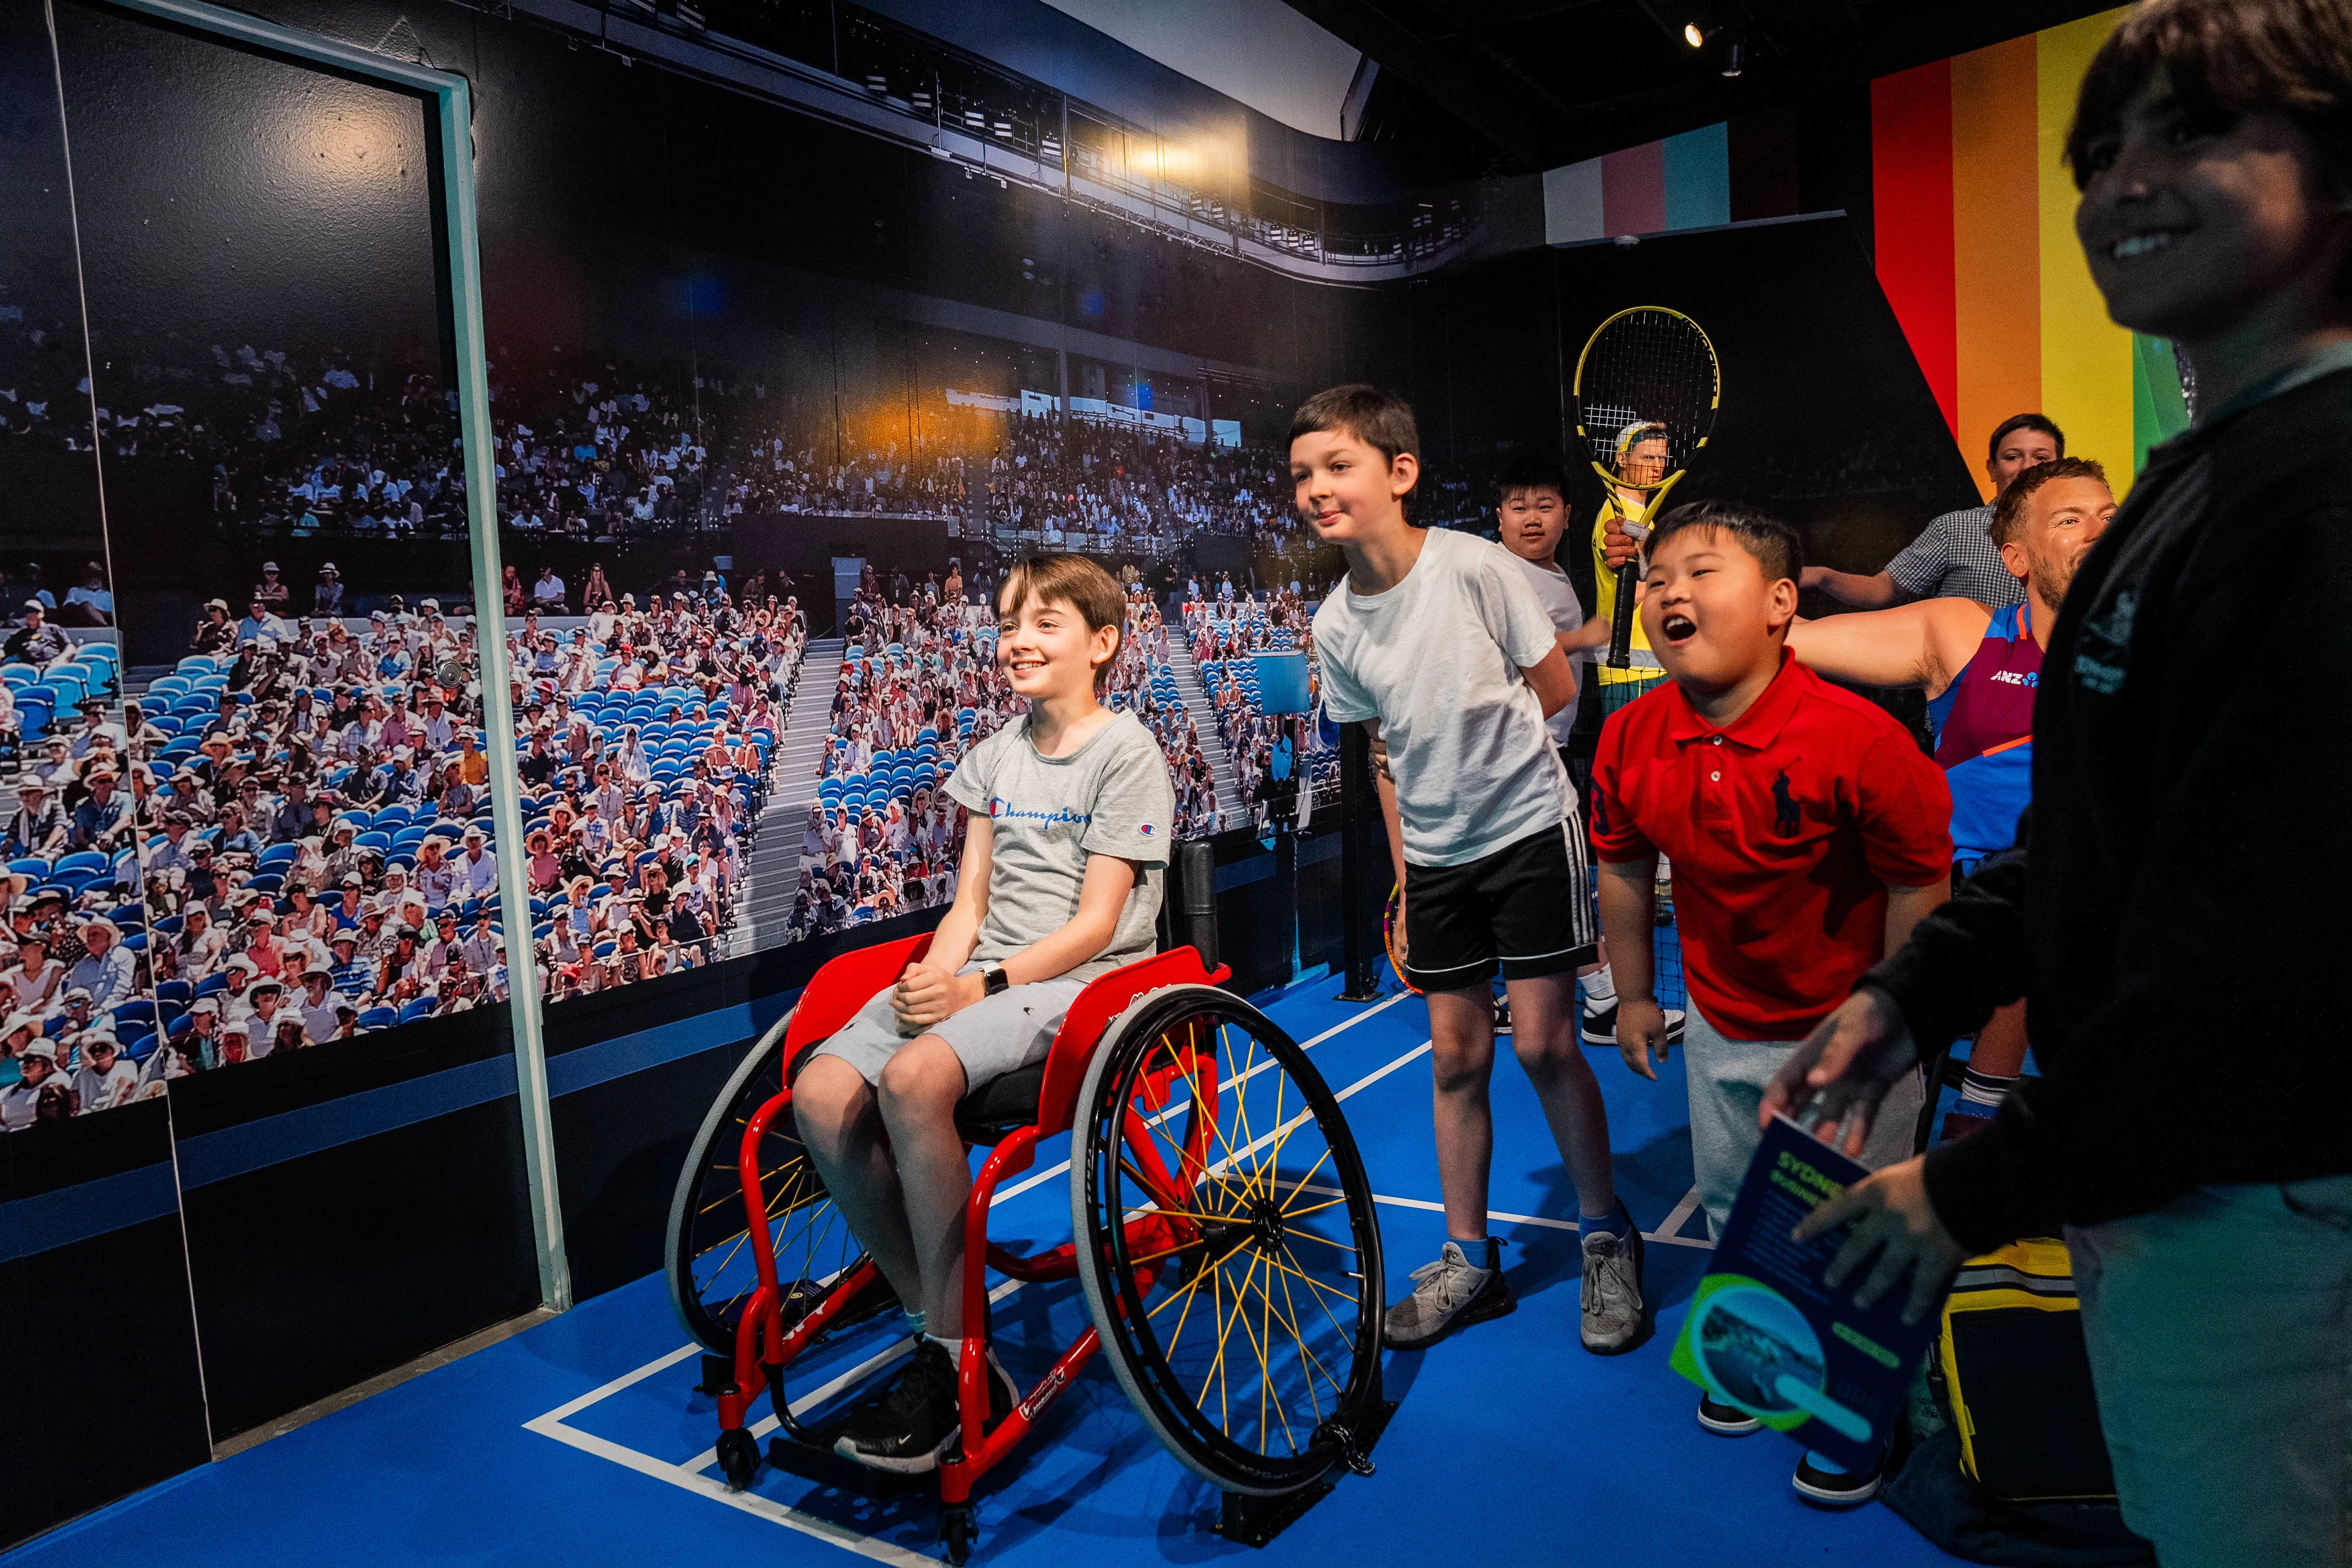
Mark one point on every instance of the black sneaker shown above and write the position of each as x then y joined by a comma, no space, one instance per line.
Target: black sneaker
1600,1026
913,1423
1502,1015
1835,1489
1727,1420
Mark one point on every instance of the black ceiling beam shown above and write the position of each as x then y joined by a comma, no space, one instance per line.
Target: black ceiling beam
1425,54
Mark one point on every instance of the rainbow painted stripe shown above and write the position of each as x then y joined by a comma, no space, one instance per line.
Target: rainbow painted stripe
1975,239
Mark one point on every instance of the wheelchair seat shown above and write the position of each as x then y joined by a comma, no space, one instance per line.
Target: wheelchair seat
1001,1106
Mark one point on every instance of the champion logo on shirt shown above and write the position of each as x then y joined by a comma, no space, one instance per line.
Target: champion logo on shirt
1000,809
1145,829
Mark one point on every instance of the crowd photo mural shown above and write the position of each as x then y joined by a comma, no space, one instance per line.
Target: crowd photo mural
757,477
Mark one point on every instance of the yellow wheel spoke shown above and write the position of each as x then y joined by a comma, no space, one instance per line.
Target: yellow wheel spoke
1291,1267
1164,1252
1195,1285
1310,1236
1188,1294
1299,1185
1241,1103
1216,1123
1307,1358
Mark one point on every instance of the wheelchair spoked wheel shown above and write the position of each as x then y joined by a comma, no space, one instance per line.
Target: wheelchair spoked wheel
1227,1242
1390,913
710,1263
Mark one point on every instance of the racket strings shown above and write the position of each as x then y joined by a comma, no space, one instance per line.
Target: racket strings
1650,367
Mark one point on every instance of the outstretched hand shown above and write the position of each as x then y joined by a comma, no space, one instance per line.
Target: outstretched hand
1846,1067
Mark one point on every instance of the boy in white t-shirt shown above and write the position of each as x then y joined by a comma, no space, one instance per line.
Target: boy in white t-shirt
1529,517
1436,642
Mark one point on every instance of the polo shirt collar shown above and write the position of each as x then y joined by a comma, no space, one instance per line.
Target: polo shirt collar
1760,725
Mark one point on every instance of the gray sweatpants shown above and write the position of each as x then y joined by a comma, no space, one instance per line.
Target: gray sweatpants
1728,1078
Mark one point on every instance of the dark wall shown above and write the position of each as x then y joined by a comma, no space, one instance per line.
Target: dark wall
1825,418
104,1394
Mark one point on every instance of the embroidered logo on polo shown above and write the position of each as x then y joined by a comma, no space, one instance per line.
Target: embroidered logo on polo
1786,819
2100,657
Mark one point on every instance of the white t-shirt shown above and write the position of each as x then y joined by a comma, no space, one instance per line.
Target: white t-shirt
1436,659
1560,602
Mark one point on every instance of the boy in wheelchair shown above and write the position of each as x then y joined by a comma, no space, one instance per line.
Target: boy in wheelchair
1070,810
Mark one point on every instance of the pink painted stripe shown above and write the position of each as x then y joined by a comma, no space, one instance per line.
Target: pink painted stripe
1633,190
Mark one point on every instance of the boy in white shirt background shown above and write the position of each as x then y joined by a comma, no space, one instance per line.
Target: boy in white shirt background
1437,643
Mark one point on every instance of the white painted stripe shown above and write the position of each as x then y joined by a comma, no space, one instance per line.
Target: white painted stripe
1662,1234
565,1412
1043,1176
718,1491
1674,1225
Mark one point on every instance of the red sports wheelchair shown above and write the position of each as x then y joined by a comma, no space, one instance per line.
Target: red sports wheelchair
1223,1232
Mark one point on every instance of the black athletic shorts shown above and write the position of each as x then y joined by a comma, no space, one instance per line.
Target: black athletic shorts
1527,907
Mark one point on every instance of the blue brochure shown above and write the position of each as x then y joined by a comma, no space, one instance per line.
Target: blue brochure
1765,1334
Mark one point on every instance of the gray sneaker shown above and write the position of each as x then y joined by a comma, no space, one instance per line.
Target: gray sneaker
1616,1319
1447,1294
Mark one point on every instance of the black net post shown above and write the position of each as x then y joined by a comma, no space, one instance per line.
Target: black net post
1363,864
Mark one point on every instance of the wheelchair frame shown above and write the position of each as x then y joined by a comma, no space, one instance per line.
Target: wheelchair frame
764,1346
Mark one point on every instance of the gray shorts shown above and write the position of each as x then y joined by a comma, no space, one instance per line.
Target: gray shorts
992,1037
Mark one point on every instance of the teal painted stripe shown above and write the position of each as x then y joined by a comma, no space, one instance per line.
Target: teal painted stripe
1698,178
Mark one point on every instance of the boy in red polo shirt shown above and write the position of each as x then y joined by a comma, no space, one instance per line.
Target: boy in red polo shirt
1808,835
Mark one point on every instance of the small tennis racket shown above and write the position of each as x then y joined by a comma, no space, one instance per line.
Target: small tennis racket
1389,934
1647,386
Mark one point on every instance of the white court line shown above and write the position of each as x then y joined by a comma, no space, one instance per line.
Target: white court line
1385,1002
1674,1225
716,1490
1666,1236
689,1476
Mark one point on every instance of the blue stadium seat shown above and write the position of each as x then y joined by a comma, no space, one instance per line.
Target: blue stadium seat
378,1018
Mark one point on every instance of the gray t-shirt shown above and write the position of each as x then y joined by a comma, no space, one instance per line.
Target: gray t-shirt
1557,597
1955,558
1110,796
1436,659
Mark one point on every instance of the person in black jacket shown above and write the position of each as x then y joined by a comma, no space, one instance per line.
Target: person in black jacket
2175,910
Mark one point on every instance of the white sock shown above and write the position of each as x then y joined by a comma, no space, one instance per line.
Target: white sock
1600,987
954,1347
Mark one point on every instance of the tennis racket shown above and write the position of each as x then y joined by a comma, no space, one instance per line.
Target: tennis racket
1389,935
1646,389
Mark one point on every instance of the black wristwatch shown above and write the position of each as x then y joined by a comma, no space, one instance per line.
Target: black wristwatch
993,979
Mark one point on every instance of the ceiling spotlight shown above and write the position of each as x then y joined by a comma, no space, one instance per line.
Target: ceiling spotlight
1735,54
1694,34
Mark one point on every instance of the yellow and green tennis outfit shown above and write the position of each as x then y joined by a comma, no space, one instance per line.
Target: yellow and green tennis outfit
1618,687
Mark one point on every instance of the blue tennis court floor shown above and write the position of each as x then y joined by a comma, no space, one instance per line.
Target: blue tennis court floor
582,1441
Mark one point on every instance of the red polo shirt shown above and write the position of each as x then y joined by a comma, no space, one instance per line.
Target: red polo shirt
1784,828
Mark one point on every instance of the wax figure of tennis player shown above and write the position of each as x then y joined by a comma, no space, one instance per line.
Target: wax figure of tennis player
1641,463
1980,668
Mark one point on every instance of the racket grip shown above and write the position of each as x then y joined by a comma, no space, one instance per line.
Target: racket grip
1621,622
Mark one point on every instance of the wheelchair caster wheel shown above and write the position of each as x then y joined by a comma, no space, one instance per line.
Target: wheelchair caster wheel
957,1533
739,1458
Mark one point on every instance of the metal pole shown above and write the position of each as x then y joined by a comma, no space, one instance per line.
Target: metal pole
1359,922
498,701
